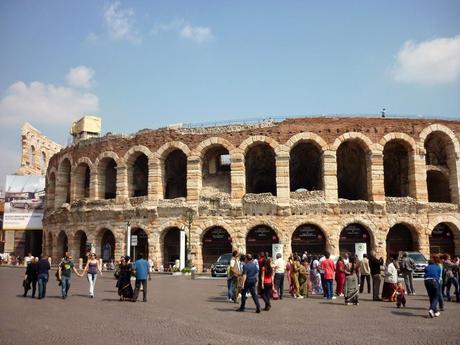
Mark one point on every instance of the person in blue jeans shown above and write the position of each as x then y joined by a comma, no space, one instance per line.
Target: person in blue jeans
43,275
250,275
431,278
142,269
65,272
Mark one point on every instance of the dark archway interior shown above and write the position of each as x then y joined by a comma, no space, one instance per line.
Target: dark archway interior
260,239
171,247
216,169
142,244
33,242
309,238
396,169
63,244
352,171
81,241
64,182
260,164
176,175
108,246
438,186
435,146
305,167
82,181
110,182
442,240
216,242
352,234
399,239
140,176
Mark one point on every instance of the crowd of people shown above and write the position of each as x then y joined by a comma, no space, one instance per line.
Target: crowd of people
315,275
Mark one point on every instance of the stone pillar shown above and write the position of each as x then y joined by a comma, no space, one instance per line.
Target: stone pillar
193,178
454,176
330,176
238,178
122,183
282,178
93,185
421,190
332,243
375,177
155,180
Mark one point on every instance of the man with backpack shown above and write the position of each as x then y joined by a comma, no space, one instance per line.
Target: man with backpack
407,267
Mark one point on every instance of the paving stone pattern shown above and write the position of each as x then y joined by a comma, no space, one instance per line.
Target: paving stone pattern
184,311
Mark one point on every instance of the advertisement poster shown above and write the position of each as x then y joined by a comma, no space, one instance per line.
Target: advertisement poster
24,202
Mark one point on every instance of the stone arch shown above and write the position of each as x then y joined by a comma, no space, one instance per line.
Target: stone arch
215,241
368,226
215,166
170,244
399,166
51,189
62,244
248,142
305,237
307,137
81,177
165,149
440,128
137,161
79,245
260,168
259,238
408,141
202,147
105,244
444,238
354,166
402,237
63,182
142,242
266,222
106,171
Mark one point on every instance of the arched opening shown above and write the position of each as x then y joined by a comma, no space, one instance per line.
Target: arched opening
82,247
82,181
352,171
440,160
396,169
33,242
49,245
216,242
32,155
260,239
142,243
107,246
51,191
260,165
309,238
400,239
442,240
107,176
62,245
43,163
305,167
438,186
175,172
138,174
171,247
63,184
351,235
215,170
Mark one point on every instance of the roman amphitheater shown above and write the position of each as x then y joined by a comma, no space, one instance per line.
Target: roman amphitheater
314,184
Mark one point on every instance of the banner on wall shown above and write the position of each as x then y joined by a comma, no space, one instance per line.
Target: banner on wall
24,202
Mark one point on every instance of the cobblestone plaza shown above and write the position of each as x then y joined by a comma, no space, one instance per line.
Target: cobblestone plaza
185,311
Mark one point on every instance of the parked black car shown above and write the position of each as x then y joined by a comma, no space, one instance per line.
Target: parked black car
219,268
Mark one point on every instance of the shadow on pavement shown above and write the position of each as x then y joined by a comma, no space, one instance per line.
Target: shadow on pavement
407,313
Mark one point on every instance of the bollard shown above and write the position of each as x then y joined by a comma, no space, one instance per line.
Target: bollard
100,263
80,264
193,270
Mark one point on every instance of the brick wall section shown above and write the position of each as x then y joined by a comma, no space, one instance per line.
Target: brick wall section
156,216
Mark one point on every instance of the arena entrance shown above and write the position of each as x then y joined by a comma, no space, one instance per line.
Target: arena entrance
260,239
33,242
142,244
352,234
108,246
399,239
171,247
442,240
216,242
309,238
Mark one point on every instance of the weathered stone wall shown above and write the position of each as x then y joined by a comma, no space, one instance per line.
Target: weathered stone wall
237,211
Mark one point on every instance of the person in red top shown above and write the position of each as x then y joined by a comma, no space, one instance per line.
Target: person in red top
267,282
329,271
339,276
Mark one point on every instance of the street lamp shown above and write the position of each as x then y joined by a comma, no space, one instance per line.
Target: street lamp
189,214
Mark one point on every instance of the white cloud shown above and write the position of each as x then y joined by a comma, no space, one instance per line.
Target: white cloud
196,33
10,163
80,76
175,26
429,62
120,23
45,103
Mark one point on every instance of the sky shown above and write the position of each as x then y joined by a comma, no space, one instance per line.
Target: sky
146,64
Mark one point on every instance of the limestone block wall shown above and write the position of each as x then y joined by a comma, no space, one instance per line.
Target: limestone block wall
238,212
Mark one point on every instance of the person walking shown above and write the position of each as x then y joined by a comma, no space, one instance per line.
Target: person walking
351,282
125,290
65,273
250,273
389,281
91,269
267,282
328,267
31,277
450,275
43,275
339,276
234,272
304,275
407,268
375,267
141,266
280,266
316,284
431,279
365,274
295,268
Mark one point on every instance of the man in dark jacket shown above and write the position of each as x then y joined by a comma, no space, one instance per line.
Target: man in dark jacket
31,277
43,276
375,267
407,269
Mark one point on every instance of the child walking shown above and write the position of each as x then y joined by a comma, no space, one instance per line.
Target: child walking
400,296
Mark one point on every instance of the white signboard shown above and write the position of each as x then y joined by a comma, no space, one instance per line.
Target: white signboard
277,248
182,249
360,249
24,202
134,240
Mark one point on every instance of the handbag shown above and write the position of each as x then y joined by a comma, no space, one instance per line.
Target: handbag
26,284
275,294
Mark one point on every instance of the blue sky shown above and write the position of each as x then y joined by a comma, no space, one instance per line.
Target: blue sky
145,64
